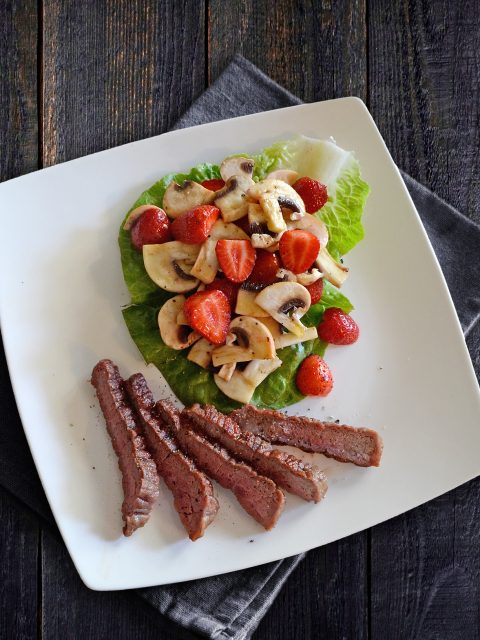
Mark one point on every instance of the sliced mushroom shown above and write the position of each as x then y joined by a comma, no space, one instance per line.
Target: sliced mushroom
180,198
201,353
273,326
237,388
309,277
286,276
231,200
206,265
287,339
167,265
182,318
246,305
333,271
286,175
253,339
287,302
226,372
273,196
236,167
264,241
257,370
314,226
135,214
174,335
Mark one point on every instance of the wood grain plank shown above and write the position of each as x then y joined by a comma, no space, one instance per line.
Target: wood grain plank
315,49
19,543
117,71
18,88
424,92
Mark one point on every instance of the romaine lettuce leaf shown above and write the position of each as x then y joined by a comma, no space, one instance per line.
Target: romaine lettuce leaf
322,160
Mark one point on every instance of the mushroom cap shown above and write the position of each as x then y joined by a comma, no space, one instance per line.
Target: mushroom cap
231,199
175,335
285,175
282,298
273,195
165,264
180,198
236,166
254,340
201,353
237,388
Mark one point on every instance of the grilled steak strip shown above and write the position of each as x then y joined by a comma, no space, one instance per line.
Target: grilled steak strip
259,496
290,473
192,490
363,447
139,474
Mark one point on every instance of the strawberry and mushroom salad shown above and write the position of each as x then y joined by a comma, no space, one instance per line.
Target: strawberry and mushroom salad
234,273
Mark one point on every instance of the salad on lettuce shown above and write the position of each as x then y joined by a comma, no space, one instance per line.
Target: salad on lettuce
232,267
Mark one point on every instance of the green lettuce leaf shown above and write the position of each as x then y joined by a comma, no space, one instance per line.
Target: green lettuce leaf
339,171
323,160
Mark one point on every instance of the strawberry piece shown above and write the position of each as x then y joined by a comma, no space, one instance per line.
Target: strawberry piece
193,227
152,227
265,270
314,377
208,313
230,289
298,250
214,185
313,193
338,327
236,258
316,289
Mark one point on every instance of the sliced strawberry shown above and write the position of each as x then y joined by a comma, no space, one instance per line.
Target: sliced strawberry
314,377
265,270
152,227
316,289
298,250
338,327
236,258
208,313
313,193
193,227
214,185
230,289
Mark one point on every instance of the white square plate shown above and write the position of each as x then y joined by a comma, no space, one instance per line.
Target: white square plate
62,290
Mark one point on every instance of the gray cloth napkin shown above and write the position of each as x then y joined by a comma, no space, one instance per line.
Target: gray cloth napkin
232,605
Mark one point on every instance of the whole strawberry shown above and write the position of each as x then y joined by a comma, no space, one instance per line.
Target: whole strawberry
314,377
338,327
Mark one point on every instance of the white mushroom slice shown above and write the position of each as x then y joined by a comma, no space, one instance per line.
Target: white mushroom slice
236,167
284,298
273,195
206,265
175,335
135,214
166,263
273,326
309,277
246,305
226,372
237,388
333,271
180,198
201,353
314,226
286,275
231,200
286,175
257,370
287,339
253,339
182,318
264,241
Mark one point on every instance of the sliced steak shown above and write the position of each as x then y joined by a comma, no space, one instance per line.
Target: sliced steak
192,490
363,447
259,496
290,473
139,473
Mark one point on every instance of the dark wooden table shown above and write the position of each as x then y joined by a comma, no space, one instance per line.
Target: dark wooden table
81,76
